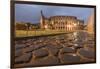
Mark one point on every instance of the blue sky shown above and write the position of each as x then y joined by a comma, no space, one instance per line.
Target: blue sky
31,13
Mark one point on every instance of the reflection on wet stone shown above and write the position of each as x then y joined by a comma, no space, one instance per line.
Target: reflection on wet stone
50,60
40,53
88,53
70,58
52,49
18,53
77,47
23,58
90,45
28,49
67,50
19,46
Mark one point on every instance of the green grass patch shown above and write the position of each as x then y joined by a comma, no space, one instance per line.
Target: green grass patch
23,33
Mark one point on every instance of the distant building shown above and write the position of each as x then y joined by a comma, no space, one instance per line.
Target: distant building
67,23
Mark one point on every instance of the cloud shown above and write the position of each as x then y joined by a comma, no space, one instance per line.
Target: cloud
31,13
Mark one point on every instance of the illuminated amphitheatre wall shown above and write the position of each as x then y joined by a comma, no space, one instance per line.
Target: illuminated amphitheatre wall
90,24
66,23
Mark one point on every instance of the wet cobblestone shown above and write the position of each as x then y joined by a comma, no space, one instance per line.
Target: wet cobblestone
77,47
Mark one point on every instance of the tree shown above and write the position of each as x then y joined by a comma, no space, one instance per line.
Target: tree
28,27
20,26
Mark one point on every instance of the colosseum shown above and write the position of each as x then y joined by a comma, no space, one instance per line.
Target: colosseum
66,23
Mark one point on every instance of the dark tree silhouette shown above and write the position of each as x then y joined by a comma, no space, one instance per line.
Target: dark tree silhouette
28,27
20,26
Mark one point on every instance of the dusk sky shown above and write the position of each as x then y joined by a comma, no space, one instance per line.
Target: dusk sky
31,13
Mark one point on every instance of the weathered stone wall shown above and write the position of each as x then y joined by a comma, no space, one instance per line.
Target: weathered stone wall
64,23
67,23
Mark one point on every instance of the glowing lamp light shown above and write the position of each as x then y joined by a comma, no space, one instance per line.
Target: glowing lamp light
46,26
75,24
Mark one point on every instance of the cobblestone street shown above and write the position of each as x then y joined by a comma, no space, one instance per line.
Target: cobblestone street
77,47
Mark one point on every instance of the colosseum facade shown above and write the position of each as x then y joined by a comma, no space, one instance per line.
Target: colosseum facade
66,23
